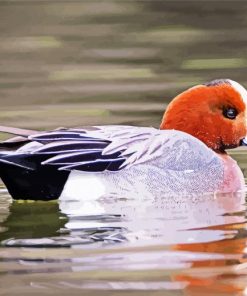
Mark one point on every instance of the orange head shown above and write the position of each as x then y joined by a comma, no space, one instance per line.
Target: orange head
215,113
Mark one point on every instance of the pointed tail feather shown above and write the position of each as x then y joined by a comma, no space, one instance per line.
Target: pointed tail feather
15,142
17,131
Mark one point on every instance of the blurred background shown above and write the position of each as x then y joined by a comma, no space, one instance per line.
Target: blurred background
74,63
69,63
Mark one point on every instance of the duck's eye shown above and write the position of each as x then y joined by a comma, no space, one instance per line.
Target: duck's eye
230,113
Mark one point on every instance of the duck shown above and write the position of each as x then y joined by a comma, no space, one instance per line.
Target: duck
187,155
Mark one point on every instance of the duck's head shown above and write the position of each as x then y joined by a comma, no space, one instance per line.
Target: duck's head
214,112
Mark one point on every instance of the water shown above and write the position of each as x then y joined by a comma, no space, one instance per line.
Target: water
118,62
163,245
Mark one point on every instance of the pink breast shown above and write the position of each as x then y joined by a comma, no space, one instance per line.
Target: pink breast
233,176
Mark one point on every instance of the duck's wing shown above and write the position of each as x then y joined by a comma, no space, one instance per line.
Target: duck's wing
88,149
110,148
105,148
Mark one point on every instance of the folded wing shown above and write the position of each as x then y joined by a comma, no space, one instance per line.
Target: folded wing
109,148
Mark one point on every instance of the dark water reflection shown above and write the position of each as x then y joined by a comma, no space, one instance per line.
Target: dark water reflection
118,62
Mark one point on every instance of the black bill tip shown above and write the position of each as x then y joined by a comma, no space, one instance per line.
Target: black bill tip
243,142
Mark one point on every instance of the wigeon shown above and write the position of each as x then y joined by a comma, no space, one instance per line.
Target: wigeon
187,155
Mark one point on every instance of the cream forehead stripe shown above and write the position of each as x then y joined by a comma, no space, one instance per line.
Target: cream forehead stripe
240,89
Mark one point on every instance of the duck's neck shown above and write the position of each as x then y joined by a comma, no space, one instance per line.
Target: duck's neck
208,141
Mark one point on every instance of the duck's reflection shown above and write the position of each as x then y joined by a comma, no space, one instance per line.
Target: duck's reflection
186,234
162,220
204,234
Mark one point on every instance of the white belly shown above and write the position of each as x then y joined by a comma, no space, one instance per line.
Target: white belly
83,185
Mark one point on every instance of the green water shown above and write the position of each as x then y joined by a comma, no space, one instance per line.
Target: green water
74,63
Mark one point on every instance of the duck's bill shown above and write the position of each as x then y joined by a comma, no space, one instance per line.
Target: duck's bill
243,142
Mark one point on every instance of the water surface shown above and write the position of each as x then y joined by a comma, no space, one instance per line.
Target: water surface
179,244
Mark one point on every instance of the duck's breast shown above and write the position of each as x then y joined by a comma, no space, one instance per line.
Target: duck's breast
233,179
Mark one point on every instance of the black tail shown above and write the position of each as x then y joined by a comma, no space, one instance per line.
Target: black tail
26,178
23,174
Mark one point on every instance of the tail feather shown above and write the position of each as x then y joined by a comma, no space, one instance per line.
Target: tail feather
17,131
27,179
23,174
18,141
